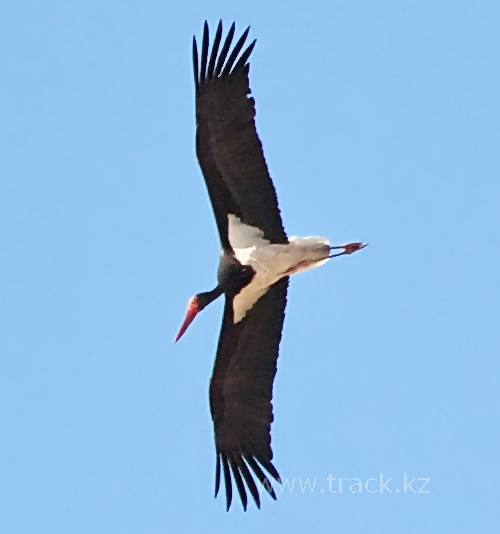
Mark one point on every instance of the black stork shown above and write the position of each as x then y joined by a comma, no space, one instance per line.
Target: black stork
256,260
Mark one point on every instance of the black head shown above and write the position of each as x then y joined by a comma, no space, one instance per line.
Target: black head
195,305
232,277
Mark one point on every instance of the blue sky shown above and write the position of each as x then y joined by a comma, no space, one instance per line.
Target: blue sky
380,122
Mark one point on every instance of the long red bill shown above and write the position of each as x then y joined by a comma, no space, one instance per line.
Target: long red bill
191,312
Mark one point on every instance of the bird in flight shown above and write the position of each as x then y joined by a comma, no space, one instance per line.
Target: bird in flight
256,261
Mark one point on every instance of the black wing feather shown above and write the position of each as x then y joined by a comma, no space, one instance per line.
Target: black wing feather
195,63
241,391
227,481
246,54
217,476
204,51
225,49
261,477
239,483
234,54
250,482
215,49
227,145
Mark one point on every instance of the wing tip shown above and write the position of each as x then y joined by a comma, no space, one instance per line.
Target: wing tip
219,64
237,470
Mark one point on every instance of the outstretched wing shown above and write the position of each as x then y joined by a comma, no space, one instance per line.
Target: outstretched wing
241,392
227,145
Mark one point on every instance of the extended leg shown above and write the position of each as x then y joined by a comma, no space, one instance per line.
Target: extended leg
349,248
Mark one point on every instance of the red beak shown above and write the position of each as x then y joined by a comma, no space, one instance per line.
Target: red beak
191,312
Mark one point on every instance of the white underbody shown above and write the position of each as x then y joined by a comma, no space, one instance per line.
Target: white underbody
270,261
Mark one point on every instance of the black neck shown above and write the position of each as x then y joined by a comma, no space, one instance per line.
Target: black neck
233,276
204,299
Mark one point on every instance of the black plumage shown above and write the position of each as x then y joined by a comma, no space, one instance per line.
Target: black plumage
238,182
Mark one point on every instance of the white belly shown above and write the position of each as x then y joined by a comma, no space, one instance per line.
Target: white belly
270,261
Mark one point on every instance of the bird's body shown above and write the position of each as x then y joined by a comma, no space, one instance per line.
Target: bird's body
270,261
257,259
